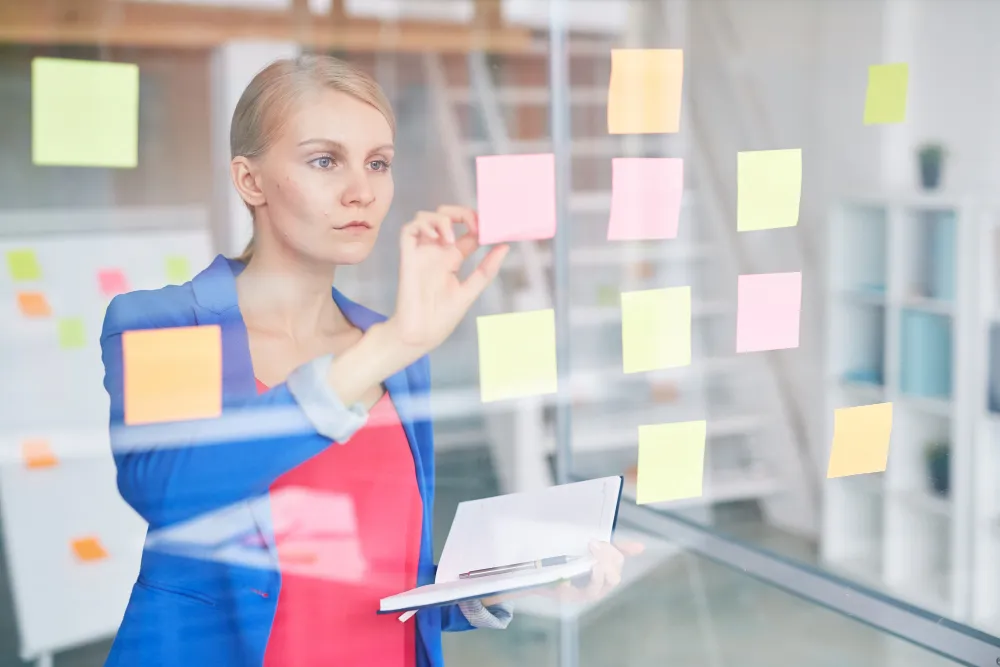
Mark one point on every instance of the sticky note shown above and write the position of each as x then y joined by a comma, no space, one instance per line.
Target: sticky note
89,549
516,197
768,189
768,311
23,265
517,355
644,96
84,113
71,333
645,198
38,454
671,461
860,440
656,329
885,99
172,374
33,304
178,269
112,282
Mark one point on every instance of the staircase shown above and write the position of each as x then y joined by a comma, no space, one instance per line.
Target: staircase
500,105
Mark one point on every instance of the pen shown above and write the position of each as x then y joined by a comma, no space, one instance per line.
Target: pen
516,567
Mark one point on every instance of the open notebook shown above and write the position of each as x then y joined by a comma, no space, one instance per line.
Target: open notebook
516,528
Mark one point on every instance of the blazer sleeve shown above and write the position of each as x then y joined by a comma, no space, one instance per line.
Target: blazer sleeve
175,471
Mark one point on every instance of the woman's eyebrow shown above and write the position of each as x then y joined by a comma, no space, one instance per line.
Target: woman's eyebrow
341,148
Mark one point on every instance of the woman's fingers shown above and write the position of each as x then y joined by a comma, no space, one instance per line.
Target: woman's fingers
630,548
483,274
463,215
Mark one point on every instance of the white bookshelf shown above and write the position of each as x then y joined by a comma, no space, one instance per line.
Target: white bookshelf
906,324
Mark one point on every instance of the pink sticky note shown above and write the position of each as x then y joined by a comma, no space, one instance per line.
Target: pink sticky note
767,316
112,282
517,197
645,198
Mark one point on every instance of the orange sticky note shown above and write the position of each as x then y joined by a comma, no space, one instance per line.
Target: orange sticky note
38,454
172,374
89,549
644,96
33,304
860,440
645,198
516,197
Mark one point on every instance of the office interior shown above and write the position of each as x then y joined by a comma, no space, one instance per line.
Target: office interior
897,241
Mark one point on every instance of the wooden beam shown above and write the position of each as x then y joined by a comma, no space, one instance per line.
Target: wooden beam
156,24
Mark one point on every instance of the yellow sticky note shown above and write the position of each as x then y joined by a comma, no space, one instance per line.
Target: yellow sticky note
860,440
33,304
38,454
172,374
84,113
644,96
769,189
517,355
885,99
656,329
23,265
72,333
671,461
88,549
178,269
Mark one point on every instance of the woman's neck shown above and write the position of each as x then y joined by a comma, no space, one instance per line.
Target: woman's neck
288,297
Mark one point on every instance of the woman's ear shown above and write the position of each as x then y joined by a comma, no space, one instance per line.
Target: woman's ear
245,180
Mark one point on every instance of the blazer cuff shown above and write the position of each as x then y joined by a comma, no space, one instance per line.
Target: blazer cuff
328,414
494,617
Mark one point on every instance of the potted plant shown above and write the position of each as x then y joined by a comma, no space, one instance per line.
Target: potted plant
938,458
931,156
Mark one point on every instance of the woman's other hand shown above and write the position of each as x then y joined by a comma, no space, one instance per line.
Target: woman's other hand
605,575
432,300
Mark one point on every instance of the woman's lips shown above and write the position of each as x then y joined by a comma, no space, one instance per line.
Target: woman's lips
357,225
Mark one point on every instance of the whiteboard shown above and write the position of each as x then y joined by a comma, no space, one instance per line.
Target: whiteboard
58,395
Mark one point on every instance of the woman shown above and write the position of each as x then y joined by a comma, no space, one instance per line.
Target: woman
323,400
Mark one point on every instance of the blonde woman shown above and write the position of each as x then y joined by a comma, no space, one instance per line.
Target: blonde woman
323,399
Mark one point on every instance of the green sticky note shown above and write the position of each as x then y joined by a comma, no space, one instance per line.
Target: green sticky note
885,100
24,265
656,329
84,113
71,333
178,269
517,355
769,189
671,461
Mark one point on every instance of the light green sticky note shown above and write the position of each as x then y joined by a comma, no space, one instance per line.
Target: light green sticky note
71,333
517,355
885,100
656,329
178,269
24,265
84,113
769,189
671,461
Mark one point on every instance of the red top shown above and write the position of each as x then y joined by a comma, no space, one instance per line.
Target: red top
347,526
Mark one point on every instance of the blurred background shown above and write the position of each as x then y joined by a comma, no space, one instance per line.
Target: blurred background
898,243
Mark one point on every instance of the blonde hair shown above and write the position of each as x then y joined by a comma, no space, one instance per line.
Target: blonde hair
268,98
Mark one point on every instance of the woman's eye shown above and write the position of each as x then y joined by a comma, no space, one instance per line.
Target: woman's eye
323,162
379,165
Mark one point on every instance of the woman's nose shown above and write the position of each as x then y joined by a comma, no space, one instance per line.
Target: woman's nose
358,190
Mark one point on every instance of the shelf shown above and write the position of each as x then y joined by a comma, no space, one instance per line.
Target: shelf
934,406
590,316
591,437
866,390
596,384
924,500
720,487
929,305
618,255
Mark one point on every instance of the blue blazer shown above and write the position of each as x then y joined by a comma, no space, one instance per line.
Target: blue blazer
186,611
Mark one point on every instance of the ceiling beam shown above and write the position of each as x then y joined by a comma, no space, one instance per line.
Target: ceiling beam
175,25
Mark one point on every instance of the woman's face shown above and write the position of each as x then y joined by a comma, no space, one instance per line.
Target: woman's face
325,181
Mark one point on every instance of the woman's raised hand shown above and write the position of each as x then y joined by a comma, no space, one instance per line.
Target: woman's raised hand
432,300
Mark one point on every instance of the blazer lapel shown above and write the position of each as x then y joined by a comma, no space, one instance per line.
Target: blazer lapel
217,304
